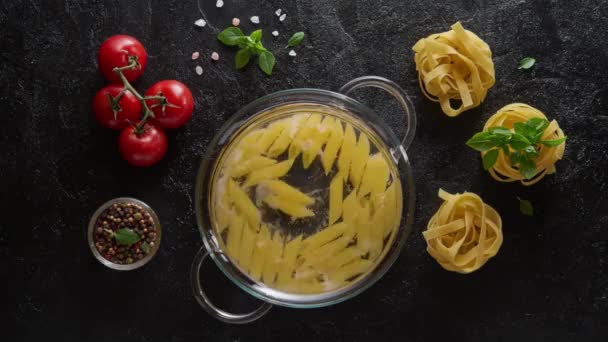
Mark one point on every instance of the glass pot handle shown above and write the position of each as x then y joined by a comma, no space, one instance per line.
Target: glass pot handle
206,303
396,91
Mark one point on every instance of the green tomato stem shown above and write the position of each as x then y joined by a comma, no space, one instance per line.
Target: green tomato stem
147,112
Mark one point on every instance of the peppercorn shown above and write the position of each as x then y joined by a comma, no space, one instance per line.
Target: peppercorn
120,216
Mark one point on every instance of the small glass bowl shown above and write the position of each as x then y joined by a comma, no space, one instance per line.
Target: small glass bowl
108,263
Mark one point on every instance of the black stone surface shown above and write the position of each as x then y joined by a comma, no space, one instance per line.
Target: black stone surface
548,283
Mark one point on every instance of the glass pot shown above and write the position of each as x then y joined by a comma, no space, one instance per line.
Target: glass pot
211,239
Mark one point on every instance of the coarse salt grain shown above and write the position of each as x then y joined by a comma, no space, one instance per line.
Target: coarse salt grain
219,3
278,12
275,33
200,23
215,56
283,16
292,53
195,55
236,21
255,19
199,70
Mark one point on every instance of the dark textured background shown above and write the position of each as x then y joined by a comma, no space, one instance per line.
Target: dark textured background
548,283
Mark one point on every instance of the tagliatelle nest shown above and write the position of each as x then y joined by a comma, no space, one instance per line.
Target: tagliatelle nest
507,116
464,233
454,65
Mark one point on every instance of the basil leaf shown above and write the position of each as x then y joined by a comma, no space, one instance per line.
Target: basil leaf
483,141
553,143
531,152
145,247
246,42
241,59
126,236
489,159
500,131
519,142
231,36
258,47
256,36
526,63
525,207
527,168
519,128
266,62
539,124
514,158
537,137
296,39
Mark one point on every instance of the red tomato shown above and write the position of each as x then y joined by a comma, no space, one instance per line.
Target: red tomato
178,106
128,107
119,51
144,149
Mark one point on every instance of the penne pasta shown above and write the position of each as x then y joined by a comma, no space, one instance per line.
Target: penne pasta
392,212
375,176
347,255
293,209
270,136
351,270
363,227
309,127
251,138
333,145
259,253
289,261
244,204
311,146
319,257
223,208
250,164
377,227
273,258
281,144
286,191
335,198
235,232
270,172
324,236
350,208
349,142
359,159
248,243
247,145
305,273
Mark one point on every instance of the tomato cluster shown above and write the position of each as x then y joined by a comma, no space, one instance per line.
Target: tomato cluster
167,104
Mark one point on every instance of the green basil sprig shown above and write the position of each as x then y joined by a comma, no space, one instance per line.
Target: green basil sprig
249,46
521,144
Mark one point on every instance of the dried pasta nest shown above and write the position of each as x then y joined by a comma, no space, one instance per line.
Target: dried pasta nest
503,170
454,65
464,233
364,207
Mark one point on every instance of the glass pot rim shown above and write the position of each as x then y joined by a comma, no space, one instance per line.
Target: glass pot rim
260,106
